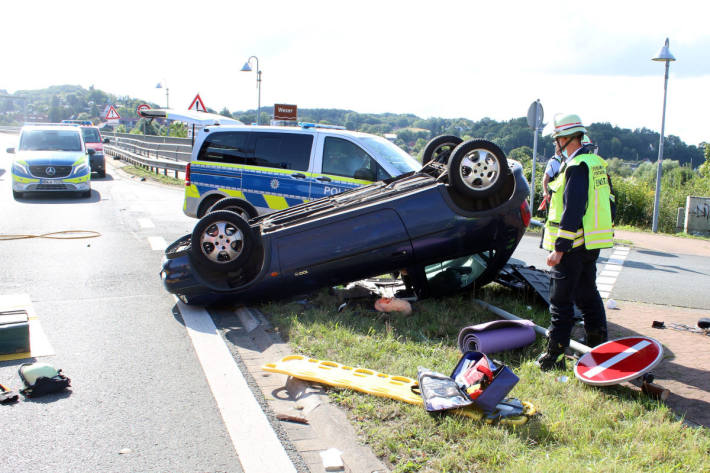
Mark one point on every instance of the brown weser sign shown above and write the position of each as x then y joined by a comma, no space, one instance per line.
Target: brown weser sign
285,112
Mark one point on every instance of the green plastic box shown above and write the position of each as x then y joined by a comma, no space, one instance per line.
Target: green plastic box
14,332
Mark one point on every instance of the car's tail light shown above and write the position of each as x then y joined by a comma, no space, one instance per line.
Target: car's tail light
187,176
525,212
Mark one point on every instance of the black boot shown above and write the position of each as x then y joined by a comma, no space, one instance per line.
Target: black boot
595,338
553,358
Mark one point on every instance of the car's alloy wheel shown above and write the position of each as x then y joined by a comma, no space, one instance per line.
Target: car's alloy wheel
222,241
477,168
439,149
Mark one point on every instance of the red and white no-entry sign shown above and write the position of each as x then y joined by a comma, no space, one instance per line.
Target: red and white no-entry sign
619,360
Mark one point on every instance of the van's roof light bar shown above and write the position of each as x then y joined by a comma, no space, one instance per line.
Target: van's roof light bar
318,125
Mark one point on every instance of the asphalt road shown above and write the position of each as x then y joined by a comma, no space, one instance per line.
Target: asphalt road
649,276
138,387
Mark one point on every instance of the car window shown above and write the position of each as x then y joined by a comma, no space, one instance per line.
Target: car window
391,153
344,158
50,140
91,135
228,147
283,150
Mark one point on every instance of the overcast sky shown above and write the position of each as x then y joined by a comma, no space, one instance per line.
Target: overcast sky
435,58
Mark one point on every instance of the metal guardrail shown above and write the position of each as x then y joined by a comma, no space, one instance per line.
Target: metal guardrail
156,153
167,147
155,164
9,129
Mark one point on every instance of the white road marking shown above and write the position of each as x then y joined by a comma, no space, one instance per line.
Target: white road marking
606,280
157,243
607,277
256,443
145,223
617,358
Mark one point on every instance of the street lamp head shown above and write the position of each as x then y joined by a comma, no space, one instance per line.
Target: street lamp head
664,54
246,67
159,85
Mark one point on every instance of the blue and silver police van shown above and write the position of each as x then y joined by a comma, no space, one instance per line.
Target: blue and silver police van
267,168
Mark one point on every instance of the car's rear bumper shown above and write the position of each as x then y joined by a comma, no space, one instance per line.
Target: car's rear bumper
97,162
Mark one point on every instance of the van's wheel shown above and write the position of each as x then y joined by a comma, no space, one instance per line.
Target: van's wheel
439,149
477,168
222,241
208,202
240,207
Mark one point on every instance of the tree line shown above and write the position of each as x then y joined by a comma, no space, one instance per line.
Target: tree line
409,131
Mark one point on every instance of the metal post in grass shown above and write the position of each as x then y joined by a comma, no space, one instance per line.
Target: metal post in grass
663,55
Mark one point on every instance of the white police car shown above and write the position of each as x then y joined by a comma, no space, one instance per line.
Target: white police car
257,169
51,158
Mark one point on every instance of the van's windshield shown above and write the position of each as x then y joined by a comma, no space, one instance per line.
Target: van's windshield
390,153
50,140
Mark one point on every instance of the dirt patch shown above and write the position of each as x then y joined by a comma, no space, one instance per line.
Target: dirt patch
684,369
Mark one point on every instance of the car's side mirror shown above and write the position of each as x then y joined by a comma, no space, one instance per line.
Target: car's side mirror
91,151
10,151
106,140
364,174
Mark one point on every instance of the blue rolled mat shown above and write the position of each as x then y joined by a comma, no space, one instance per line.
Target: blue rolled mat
496,336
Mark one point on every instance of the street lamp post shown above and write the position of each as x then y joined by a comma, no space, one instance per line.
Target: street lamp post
167,92
664,54
247,68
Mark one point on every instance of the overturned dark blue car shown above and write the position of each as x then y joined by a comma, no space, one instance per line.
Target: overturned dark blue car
449,227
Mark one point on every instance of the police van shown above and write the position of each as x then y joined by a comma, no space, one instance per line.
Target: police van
267,168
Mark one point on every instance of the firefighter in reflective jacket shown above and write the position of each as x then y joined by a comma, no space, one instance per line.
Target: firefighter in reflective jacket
579,224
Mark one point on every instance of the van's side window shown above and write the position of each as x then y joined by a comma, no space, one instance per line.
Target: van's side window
344,158
229,147
283,150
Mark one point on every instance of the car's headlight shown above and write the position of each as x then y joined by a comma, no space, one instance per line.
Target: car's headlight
18,168
81,169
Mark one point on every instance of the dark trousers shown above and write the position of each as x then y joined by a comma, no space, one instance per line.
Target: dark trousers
573,281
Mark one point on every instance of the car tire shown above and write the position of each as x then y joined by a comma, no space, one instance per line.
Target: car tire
17,195
241,207
102,173
222,241
439,149
477,169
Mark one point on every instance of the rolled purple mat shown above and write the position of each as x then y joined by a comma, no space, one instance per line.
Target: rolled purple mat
496,336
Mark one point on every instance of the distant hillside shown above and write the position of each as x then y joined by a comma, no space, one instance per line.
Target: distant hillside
71,101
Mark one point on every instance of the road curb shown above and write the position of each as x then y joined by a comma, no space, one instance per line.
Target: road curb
328,425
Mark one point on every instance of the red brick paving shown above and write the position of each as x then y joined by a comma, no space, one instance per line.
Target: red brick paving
684,369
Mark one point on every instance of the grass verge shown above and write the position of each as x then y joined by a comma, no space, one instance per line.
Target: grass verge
142,172
579,428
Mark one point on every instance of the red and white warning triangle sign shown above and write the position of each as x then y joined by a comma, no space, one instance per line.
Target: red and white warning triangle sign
112,114
197,104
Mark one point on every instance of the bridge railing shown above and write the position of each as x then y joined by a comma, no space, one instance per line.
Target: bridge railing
156,153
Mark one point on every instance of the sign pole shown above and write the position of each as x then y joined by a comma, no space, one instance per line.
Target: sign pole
532,177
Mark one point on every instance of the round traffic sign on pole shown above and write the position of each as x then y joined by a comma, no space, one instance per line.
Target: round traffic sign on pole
618,360
142,107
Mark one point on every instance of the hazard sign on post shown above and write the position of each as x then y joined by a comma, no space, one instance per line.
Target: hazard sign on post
197,104
112,114
619,360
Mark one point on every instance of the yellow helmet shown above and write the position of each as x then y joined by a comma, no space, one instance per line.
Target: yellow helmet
566,125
